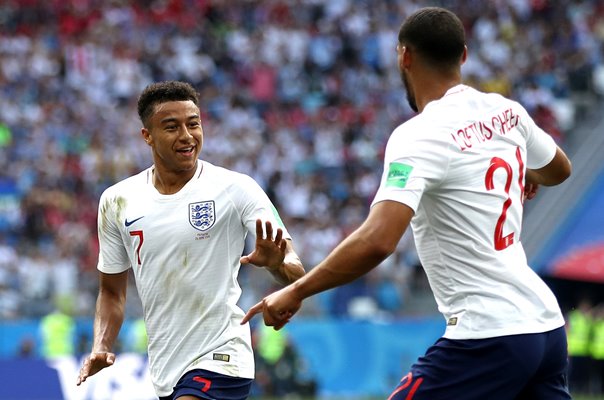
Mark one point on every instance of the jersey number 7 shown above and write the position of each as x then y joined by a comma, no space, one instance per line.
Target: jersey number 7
140,244
499,240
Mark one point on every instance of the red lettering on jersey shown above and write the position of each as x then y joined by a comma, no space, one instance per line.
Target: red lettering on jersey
461,139
483,128
479,132
505,121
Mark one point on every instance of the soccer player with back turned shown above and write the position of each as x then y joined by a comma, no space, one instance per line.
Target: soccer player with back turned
458,172
181,226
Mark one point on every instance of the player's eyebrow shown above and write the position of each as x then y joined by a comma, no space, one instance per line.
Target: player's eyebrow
174,119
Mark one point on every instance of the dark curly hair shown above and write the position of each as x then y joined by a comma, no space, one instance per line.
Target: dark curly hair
162,92
436,34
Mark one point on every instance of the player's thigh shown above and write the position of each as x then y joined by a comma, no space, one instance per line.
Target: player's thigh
550,382
494,369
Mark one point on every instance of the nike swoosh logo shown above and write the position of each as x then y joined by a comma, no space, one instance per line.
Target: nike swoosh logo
128,223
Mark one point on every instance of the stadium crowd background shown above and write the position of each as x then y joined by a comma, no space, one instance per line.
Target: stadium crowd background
299,94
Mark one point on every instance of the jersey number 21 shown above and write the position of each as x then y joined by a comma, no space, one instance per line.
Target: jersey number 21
499,240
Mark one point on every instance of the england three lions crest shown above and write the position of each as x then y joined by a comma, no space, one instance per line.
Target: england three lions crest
202,215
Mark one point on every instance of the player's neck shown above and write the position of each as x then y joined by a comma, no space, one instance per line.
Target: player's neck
170,182
434,88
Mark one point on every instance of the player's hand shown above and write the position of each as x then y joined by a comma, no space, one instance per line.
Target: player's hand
269,252
277,308
530,191
94,363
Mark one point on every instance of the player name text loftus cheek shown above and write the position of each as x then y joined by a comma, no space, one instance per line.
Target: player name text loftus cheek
482,131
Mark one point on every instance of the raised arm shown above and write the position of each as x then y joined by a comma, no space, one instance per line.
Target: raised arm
291,269
107,323
276,254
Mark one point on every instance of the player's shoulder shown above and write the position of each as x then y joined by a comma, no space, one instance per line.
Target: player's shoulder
421,127
476,99
495,104
498,98
225,177
463,97
462,104
131,184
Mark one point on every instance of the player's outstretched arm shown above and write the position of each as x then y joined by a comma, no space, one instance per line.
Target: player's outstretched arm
276,254
107,323
359,253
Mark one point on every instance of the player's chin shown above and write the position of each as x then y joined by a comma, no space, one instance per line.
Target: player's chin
183,166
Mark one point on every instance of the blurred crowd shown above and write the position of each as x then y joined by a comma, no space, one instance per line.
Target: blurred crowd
299,94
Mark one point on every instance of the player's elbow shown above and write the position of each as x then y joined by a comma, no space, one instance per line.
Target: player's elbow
566,171
384,252
558,170
560,174
384,227
381,249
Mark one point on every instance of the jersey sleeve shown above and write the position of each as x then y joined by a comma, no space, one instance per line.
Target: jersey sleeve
540,146
255,204
113,257
413,163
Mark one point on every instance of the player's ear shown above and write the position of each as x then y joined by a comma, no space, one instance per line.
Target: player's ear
405,59
147,136
464,55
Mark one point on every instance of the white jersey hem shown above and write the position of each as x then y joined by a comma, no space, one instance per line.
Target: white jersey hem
487,334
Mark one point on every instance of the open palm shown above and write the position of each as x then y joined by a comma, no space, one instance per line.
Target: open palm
94,363
269,252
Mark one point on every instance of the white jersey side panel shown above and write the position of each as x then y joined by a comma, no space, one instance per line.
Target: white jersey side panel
460,165
184,250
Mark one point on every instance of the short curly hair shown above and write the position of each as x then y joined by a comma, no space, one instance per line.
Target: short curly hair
162,92
436,34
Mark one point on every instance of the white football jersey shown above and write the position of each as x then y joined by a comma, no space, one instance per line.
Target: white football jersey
460,165
184,250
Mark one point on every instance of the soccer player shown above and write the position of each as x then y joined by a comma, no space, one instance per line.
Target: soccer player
458,172
181,226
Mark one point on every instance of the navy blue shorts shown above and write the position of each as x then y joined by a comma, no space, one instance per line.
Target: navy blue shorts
211,386
516,367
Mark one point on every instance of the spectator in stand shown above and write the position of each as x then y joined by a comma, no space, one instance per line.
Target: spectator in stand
326,68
